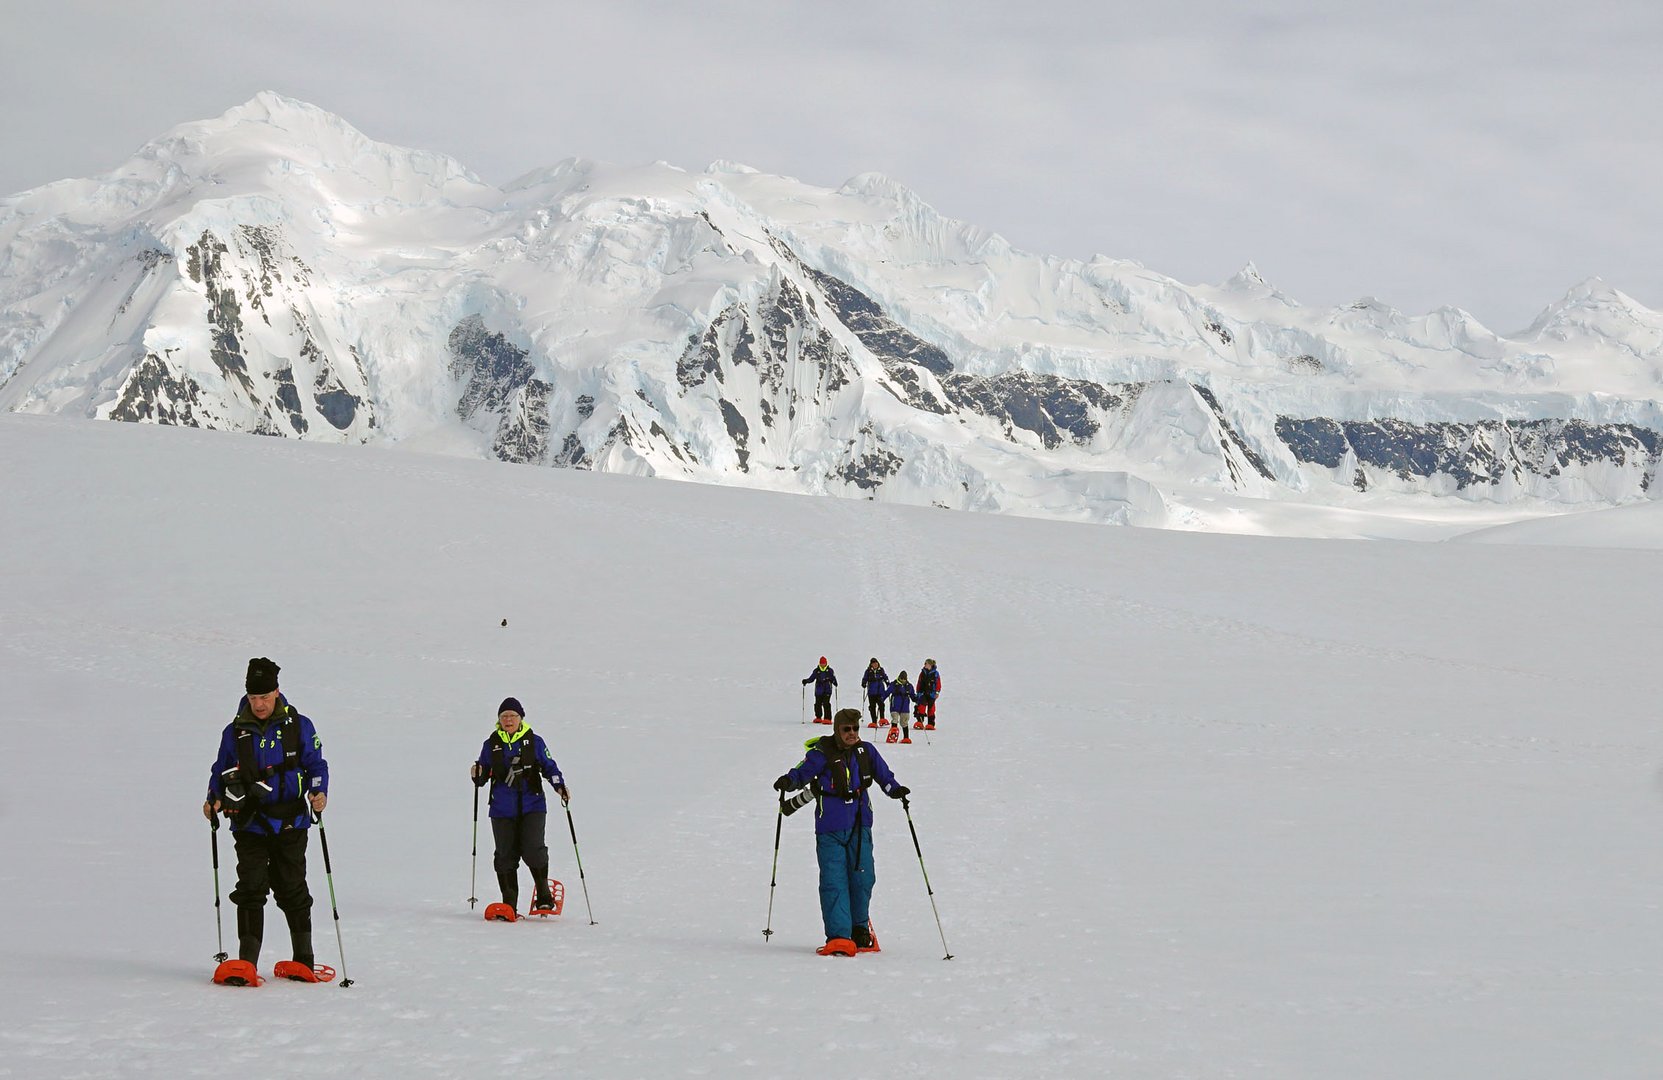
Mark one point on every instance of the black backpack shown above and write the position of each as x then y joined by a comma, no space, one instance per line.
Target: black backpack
517,765
246,782
837,762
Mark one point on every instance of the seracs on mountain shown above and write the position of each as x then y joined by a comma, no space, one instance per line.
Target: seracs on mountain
275,271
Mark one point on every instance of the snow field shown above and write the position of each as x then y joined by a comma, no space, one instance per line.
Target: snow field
1211,806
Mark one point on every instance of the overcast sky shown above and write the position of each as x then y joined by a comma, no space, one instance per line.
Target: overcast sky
1483,155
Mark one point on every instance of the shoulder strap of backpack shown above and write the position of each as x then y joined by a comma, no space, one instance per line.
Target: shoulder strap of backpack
291,740
247,764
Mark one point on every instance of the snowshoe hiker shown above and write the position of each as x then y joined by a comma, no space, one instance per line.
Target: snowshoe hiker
929,688
823,678
901,697
839,768
515,761
876,682
269,779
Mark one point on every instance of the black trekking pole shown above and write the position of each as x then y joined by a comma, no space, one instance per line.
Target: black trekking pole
773,875
473,872
579,856
219,925
908,808
802,704
329,876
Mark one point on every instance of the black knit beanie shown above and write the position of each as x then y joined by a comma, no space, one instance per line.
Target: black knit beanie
262,676
511,705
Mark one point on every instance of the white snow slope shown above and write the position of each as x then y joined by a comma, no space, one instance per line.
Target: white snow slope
1200,805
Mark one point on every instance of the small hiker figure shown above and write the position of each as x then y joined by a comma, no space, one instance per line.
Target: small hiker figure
876,683
901,697
823,678
929,688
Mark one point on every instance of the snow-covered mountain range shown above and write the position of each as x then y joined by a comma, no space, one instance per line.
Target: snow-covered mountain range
275,271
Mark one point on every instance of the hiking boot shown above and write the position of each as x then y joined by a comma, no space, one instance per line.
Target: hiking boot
863,937
510,885
303,949
251,929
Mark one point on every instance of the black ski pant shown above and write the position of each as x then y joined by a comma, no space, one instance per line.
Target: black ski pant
520,838
874,706
822,707
274,863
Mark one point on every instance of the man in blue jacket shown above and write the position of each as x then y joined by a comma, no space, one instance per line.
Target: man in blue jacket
515,760
268,780
839,768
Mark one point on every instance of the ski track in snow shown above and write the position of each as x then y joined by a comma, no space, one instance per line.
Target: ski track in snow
1198,806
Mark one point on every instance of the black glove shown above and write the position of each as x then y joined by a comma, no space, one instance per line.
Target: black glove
899,791
783,784
480,774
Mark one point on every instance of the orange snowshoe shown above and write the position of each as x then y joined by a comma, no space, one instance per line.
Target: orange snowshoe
237,973
837,946
298,972
500,912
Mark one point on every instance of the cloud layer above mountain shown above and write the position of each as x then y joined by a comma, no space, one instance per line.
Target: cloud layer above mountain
1479,155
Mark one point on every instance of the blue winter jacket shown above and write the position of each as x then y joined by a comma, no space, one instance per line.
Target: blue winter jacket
901,697
819,769
823,678
292,783
876,682
524,757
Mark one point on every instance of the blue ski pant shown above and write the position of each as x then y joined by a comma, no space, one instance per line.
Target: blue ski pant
846,879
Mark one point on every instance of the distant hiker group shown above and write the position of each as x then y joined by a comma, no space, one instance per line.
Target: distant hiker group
893,703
